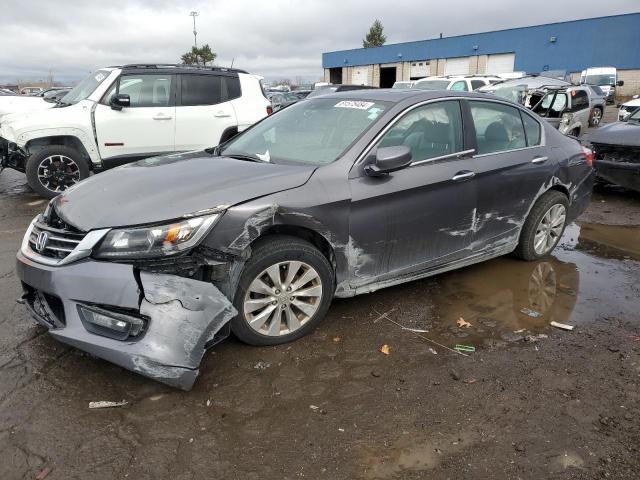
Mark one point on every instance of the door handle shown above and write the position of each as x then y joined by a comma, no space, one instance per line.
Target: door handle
538,160
222,114
161,116
463,175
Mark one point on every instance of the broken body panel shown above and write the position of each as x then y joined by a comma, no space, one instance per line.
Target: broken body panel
375,231
617,152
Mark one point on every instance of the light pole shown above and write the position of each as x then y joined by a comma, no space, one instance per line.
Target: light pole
195,33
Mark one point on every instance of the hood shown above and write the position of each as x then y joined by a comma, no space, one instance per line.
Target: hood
13,104
165,188
618,133
47,117
632,103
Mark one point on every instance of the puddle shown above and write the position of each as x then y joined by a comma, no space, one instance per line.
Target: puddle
593,273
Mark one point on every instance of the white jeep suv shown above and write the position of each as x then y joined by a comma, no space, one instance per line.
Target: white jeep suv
118,115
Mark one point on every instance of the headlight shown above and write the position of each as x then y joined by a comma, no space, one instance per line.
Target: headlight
154,241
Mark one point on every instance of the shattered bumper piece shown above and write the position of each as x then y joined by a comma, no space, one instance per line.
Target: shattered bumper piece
182,316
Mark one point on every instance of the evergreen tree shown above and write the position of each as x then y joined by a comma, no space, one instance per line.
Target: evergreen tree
376,36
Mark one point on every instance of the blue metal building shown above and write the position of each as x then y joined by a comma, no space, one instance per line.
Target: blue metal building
571,46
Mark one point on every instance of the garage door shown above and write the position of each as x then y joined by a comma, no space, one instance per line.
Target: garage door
359,76
502,63
457,66
420,69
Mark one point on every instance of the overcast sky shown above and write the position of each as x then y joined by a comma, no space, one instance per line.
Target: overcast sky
274,38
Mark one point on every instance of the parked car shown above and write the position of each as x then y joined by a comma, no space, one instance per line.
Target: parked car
301,94
408,84
464,83
617,152
570,109
629,108
121,114
31,90
604,77
6,91
323,199
280,100
324,90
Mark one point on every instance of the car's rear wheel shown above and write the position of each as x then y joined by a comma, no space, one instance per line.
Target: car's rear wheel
544,226
54,169
284,291
596,117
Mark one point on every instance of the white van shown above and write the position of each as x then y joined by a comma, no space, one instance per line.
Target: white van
604,77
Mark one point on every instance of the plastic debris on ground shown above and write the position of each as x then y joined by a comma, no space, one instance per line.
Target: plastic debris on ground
415,330
531,313
105,404
464,348
463,323
43,473
562,326
432,350
385,349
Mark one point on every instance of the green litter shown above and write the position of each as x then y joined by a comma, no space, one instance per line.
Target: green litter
464,348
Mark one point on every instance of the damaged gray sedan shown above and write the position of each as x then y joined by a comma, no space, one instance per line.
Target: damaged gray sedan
150,264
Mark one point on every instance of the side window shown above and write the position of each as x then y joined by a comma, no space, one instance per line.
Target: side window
201,90
143,90
579,100
232,85
477,84
430,131
460,86
532,130
498,127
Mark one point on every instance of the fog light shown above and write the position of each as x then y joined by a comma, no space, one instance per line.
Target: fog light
109,323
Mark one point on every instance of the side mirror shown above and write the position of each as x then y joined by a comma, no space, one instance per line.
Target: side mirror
120,101
620,83
389,159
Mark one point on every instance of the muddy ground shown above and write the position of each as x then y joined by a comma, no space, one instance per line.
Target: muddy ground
533,402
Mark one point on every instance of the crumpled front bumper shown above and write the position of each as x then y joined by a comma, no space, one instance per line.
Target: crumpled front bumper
183,316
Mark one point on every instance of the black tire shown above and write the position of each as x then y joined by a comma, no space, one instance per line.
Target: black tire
274,249
63,175
525,249
591,122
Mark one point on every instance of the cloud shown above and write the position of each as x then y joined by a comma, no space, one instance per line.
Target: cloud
279,38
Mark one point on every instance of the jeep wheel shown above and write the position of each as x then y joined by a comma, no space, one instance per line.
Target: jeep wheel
284,291
54,169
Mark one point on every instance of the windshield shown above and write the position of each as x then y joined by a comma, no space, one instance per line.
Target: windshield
516,93
636,116
86,87
600,80
432,85
402,85
313,132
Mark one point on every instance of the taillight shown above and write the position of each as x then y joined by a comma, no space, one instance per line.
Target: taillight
588,156
269,110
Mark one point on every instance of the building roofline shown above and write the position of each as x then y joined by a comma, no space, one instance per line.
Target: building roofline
485,32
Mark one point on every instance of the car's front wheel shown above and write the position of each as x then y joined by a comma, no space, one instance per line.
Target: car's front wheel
54,169
544,226
284,291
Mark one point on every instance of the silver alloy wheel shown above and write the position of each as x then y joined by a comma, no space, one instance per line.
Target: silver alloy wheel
58,172
549,229
282,298
596,116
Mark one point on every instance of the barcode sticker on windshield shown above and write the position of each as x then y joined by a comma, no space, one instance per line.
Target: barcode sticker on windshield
354,104
99,77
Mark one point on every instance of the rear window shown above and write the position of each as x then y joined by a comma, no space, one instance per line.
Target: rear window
201,90
233,87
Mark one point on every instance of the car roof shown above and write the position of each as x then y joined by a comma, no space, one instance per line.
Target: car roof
397,95
173,68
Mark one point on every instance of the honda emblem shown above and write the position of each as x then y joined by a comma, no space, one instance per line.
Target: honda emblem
41,241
